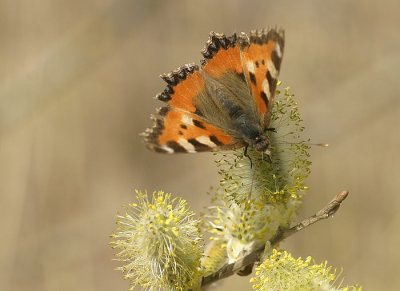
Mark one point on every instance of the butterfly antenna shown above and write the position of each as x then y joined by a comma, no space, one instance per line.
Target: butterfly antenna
324,145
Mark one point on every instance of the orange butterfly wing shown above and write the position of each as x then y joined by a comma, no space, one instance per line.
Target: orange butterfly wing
182,127
261,55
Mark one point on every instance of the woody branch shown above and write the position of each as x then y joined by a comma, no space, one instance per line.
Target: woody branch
230,269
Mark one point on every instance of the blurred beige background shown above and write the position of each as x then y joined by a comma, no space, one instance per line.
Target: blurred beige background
76,85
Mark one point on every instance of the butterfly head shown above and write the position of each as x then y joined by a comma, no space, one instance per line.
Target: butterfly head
260,143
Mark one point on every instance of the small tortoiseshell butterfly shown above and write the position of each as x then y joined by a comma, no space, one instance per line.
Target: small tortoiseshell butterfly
224,104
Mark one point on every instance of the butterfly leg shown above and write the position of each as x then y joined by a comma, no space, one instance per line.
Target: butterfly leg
247,156
268,155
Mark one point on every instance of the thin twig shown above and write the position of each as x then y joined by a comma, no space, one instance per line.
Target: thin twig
230,269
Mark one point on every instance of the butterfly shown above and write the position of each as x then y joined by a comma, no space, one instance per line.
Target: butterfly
226,102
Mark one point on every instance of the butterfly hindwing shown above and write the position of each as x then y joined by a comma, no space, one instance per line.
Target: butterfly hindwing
180,127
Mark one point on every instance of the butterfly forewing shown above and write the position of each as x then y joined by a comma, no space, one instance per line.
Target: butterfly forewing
261,55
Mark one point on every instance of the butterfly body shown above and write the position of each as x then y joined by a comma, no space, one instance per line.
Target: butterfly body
225,104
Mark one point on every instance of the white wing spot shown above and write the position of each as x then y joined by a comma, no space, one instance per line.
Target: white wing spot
187,120
265,87
251,67
187,145
167,149
206,141
272,70
278,50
